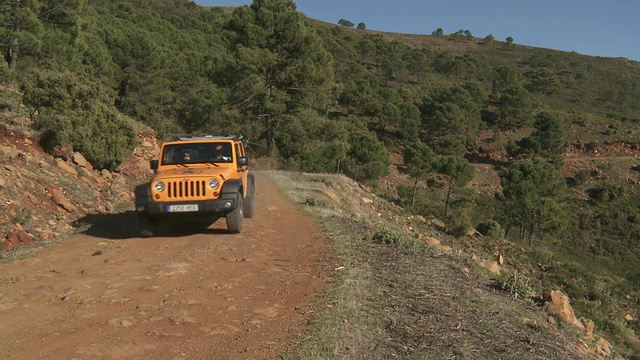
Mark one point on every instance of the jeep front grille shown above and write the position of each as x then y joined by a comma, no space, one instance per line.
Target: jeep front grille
186,189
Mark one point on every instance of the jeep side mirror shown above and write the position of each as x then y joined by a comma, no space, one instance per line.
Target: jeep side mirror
153,164
243,161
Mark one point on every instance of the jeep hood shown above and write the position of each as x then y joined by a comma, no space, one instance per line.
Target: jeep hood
221,172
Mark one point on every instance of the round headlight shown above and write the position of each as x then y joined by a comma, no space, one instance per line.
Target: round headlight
158,186
214,184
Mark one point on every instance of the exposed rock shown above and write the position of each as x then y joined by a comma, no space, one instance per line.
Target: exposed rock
603,347
473,232
435,243
16,238
11,168
492,266
60,200
589,326
120,181
22,121
6,245
12,213
559,304
80,160
331,195
45,234
8,151
66,167
438,224
143,165
62,153
106,174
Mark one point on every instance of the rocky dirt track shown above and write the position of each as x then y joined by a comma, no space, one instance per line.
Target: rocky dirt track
108,294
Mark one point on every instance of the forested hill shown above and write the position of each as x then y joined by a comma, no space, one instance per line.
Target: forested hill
320,97
181,68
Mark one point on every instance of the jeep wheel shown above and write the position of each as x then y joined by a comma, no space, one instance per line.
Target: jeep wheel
234,218
147,227
249,200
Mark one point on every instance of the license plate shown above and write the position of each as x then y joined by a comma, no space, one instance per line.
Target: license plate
182,208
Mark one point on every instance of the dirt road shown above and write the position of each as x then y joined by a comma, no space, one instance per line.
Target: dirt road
110,295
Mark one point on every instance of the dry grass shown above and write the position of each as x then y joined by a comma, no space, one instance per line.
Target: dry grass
396,297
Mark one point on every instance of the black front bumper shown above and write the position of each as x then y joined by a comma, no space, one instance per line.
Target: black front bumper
225,204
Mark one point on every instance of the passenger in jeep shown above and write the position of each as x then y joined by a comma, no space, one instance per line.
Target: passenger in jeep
222,153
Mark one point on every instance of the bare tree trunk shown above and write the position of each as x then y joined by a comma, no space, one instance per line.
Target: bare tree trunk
12,55
446,203
270,136
532,230
415,190
124,92
14,42
269,125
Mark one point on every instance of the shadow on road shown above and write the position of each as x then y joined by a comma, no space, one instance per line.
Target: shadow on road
124,225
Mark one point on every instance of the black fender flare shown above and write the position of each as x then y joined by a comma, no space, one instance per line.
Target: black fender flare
232,186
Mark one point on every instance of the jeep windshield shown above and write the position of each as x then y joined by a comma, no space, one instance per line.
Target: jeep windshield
197,153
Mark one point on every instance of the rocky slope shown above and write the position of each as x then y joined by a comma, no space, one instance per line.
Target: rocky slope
42,195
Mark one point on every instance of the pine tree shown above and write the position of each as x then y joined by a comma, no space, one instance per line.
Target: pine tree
418,162
20,28
281,66
533,198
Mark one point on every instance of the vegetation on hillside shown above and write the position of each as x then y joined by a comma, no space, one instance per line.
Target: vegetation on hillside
329,98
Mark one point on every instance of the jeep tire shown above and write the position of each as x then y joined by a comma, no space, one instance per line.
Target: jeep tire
234,218
147,227
248,203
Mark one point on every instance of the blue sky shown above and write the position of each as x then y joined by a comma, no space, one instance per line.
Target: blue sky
598,28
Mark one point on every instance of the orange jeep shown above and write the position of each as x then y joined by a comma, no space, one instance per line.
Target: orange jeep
197,179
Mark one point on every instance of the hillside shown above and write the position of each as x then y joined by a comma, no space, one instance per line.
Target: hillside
403,263
598,86
503,151
405,289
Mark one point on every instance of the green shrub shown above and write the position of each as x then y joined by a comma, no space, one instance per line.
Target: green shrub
313,201
605,192
591,145
5,105
458,221
107,141
458,224
492,229
517,285
405,193
387,236
23,216
72,113
580,177
103,136
323,180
